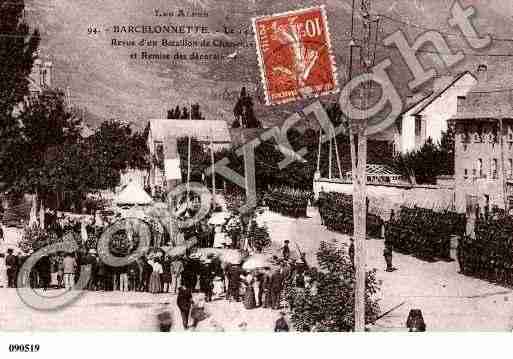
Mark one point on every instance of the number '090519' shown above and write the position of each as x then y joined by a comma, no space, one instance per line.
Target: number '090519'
24,348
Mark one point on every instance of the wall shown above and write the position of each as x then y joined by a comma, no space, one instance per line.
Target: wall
408,133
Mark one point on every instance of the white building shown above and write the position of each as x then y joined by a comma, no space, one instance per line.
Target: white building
427,117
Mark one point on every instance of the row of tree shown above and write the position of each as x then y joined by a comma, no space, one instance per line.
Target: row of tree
185,113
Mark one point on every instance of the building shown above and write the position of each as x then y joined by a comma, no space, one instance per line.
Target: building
39,79
484,149
427,116
162,136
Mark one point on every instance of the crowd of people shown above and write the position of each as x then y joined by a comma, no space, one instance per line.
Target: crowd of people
184,276
194,279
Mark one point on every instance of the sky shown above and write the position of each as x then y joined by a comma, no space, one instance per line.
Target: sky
108,84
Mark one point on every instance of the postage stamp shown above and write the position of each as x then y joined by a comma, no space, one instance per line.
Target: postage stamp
295,55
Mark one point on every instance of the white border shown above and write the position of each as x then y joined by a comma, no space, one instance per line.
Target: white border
261,64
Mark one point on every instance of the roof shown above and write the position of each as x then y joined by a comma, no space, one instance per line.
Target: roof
443,84
380,171
202,130
132,194
485,105
419,103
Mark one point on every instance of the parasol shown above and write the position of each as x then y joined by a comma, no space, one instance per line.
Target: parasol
257,261
181,249
219,218
231,256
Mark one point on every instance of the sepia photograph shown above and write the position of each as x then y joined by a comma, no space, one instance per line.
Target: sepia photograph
255,166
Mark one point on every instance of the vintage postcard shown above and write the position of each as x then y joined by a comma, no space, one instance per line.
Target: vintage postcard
272,166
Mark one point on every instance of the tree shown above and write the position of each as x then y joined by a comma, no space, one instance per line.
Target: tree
185,113
196,113
430,161
328,305
447,152
176,113
17,51
47,128
115,148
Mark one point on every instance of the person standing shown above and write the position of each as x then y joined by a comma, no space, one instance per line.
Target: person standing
177,269
249,293
11,263
91,265
155,282
44,267
258,288
351,251
276,287
234,273
133,276
387,253
3,271
147,270
167,277
184,301
266,288
123,278
70,268
101,271
286,250
60,271
206,280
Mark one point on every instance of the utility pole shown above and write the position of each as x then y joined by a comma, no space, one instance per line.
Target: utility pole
213,170
359,164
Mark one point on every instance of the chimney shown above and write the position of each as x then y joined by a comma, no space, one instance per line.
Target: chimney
482,74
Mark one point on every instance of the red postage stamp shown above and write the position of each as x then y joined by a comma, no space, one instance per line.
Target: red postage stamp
295,55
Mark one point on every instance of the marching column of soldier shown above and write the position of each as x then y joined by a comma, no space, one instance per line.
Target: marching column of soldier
287,201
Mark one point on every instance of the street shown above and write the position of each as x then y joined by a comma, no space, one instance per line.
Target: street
449,301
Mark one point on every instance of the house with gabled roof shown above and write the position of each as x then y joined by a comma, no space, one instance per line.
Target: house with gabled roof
427,117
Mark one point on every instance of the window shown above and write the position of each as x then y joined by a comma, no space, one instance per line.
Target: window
480,167
510,168
494,168
465,173
418,125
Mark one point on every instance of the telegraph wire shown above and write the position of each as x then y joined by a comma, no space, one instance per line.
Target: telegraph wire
443,32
